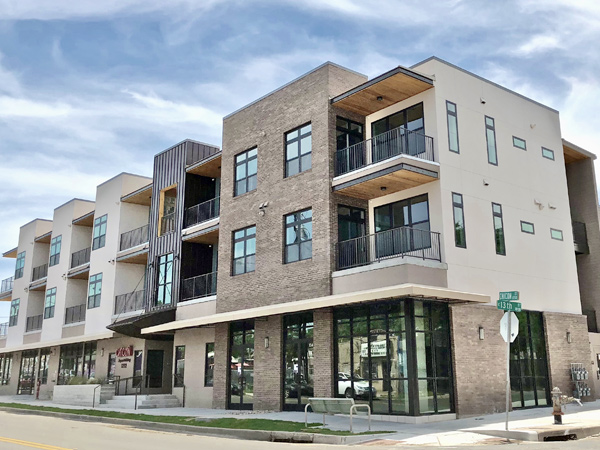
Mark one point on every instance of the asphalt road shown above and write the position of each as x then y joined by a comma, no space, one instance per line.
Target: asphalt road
20,432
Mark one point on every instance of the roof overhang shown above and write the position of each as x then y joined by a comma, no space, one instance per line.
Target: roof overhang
142,196
12,253
44,238
133,325
385,90
71,340
575,153
87,220
398,291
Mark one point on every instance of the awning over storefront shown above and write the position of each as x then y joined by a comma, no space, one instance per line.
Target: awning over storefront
398,291
71,340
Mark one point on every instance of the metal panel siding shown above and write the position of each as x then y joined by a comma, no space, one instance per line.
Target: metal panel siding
169,169
197,151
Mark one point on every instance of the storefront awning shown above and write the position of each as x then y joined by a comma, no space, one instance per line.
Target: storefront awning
71,340
398,291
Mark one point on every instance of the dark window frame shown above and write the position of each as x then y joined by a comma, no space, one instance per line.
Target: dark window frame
500,250
562,237
209,370
547,150
515,139
298,222
5,368
13,318
164,261
461,207
20,265
298,139
523,222
179,373
93,299
55,247
246,178
100,240
245,257
454,114
348,131
491,128
49,303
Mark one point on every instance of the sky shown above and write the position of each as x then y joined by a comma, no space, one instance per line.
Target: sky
89,88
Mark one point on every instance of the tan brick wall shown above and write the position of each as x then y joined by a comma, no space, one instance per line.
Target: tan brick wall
561,354
267,364
221,366
323,353
479,365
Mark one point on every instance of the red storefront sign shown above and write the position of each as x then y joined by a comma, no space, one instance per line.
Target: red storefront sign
124,352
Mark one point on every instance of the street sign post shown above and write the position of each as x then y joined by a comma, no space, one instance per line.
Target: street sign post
508,306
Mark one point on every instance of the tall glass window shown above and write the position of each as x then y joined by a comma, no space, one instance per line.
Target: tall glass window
5,368
399,133
179,366
244,250
245,171
43,367
55,245
209,364
14,312
50,303
452,127
298,150
165,280
490,135
395,356
70,363
349,156
298,384
19,265
95,291
528,363
99,232
298,236
241,369
460,237
498,229
29,362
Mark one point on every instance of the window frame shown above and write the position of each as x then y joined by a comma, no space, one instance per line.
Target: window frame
491,128
245,162
168,284
100,240
245,238
461,207
93,300
551,152
287,141
209,376
20,265
523,222
562,237
50,303
455,115
515,139
5,368
501,217
15,306
55,248
299,222
179,378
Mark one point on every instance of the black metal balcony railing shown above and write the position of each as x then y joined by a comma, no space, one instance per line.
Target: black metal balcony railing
580,238
133,301
39,272
397,242
199,286
81,257
75,314
34,323
167,223
3,329
202,212
7,284
132,238
398,141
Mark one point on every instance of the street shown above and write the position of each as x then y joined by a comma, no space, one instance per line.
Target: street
20,431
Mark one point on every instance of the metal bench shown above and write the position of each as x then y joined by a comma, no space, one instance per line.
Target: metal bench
335,406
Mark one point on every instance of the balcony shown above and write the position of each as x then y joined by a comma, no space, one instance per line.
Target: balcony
389,162
167,224
6,287
75,314
133,301
39,272
580,239
202,212
34,323
81,257
199,286
3,330
134,238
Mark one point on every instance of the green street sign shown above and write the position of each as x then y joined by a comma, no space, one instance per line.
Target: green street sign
508,306
509,296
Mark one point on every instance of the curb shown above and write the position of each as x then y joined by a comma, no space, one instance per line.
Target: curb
231,433
539,435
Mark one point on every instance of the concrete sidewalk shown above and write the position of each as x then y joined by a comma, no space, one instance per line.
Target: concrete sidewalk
477,430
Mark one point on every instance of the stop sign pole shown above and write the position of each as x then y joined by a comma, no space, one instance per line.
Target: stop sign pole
507,303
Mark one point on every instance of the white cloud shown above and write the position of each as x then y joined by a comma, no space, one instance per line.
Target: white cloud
538,44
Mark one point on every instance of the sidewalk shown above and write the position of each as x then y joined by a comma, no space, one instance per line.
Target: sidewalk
454,432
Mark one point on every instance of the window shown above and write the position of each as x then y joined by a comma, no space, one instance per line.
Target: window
349,156
498,229
556,234
298,236
77,360
527,227
55,251
166,210
244,250
298,150
519,143
547,153
5,368
49,303
14,312
94,291
165,280
19,265
245,172
99,232
179,365
399,133
452,127
490,135
460,238
209,364
43,367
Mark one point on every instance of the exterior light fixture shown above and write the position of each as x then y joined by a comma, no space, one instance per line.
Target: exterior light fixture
383,188
379,98
569,338
267,342
481,334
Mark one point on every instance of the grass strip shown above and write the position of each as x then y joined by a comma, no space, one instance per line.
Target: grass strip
225,422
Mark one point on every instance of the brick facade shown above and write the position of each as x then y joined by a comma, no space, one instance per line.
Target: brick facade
323,353
221,371
268,364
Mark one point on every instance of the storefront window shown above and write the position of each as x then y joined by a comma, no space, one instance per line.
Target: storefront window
209,364
179,366
298,385
241,369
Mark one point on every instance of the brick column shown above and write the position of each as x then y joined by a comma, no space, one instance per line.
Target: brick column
561,354
267,364
221,366
323,353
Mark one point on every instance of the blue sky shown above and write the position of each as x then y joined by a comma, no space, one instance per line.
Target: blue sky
89,89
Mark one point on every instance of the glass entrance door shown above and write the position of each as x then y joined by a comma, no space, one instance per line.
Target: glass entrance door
29,361
241,369
298,383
